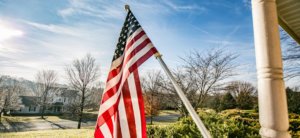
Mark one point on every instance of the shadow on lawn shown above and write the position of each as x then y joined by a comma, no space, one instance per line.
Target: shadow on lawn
12,126
56,125
3,128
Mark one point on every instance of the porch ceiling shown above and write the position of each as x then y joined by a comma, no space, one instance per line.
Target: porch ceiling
289,17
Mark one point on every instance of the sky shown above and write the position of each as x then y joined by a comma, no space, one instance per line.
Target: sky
49,34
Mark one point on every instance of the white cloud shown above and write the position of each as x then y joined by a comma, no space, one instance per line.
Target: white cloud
98,9
180,7
59,29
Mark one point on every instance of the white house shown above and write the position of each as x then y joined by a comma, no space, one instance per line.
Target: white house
56,105
28,105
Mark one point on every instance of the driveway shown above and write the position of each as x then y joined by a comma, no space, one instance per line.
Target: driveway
165,118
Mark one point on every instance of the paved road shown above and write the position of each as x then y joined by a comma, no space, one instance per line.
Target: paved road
165,118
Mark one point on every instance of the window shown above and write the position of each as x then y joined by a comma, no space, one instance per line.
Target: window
58,109
32,109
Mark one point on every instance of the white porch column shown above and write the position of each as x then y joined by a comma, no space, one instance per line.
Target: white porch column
273,114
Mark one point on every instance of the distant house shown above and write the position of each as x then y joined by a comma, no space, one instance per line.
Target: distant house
28,105
62,99
57,103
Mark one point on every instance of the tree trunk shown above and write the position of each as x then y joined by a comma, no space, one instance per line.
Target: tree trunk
44,102
43,110
151,118
80,118
151,109
43,107
81,110
4,112
1,114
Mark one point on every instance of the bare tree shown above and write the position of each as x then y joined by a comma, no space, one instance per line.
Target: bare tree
243,92
151,84
237,88
46,81
9,96
208,70
81,74
1,79
291,56
94,96
187,84
73,105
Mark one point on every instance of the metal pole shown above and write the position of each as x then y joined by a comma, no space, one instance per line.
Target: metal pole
185,101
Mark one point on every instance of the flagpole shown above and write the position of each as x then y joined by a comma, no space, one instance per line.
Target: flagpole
205,133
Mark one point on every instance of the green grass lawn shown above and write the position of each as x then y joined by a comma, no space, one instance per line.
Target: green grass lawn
168,112
66,133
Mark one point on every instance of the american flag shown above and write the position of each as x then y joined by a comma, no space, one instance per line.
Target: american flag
121,112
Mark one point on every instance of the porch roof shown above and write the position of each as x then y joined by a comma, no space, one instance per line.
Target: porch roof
289,17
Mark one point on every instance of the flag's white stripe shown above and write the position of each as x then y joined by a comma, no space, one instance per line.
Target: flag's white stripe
114,124
112,82
134,34
135,58
115,80
108,103
128,64
136,44
111,101
123,119
105,131
116,62
135,104
119,60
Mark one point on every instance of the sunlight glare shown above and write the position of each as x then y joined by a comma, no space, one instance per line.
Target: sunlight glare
8,32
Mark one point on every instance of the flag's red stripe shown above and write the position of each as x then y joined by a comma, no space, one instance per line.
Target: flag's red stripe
142,59
119,132
110,125
135,38
129,109
114,89
132,68
137,49
108,113
102,119
109,93
98,133
114,72
141,102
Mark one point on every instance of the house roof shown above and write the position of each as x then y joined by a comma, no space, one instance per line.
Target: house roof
29,100
289,17
69,93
